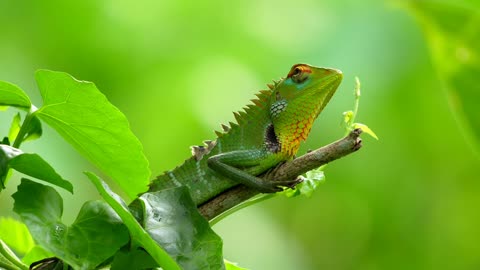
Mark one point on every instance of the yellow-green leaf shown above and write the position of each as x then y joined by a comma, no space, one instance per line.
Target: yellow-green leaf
16,235
12,95
365,129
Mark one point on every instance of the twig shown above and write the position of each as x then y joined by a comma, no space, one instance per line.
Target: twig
285,171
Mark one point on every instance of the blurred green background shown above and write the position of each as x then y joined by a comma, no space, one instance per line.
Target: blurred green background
177,69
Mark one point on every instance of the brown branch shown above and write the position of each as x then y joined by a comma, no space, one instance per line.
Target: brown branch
285,171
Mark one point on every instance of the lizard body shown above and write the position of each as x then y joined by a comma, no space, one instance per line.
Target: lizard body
267,133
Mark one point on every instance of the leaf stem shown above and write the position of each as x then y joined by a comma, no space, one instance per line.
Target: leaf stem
25,127
10,256
357,99
7,266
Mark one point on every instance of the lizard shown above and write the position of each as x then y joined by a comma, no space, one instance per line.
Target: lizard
267,133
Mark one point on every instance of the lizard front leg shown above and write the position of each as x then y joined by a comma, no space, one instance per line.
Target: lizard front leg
242,166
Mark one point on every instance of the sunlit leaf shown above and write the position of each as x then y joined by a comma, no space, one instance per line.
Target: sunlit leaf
14,127
232,266
453,35
171,217
36,254
347,118
83,116
16,235
365,129
311,180
8,259
12,95
137,233
95,235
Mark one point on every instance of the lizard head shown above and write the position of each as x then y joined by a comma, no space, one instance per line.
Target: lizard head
297,100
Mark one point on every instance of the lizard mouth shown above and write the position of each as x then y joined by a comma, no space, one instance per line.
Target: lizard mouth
328,86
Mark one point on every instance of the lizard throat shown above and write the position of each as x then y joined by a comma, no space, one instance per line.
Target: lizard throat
295,134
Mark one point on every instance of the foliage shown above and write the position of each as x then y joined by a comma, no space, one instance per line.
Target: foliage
97,129
101,231
397,195
95,236
453,35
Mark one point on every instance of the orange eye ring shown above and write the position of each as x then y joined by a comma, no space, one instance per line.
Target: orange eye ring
299,73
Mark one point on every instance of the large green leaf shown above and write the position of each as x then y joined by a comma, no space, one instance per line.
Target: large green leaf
135,259
94,236
83,116
171,217
453,35
12,95
137,233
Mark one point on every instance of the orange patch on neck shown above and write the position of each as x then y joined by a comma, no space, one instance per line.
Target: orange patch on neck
297,132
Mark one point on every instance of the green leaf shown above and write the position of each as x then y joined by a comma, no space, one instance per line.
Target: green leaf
95,235
12,95
8,259
5,141
348,118
171,217
32,165
311,181
232,266
7,153
14,127
137,233
36,254
15,234
365,129
135,259
34,130
83,116
453,36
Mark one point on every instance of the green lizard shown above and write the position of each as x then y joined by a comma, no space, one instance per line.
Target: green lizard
267,133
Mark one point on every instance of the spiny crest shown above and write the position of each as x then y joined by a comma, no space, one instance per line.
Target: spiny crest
225,128
259,103
198,151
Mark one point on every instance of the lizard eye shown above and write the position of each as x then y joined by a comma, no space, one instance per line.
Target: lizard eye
299,73
296,71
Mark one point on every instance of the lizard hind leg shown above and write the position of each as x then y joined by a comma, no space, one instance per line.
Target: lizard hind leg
242,166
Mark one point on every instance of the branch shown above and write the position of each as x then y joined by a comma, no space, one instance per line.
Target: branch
285,171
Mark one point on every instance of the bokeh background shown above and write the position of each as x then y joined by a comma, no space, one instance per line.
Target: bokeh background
177,69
